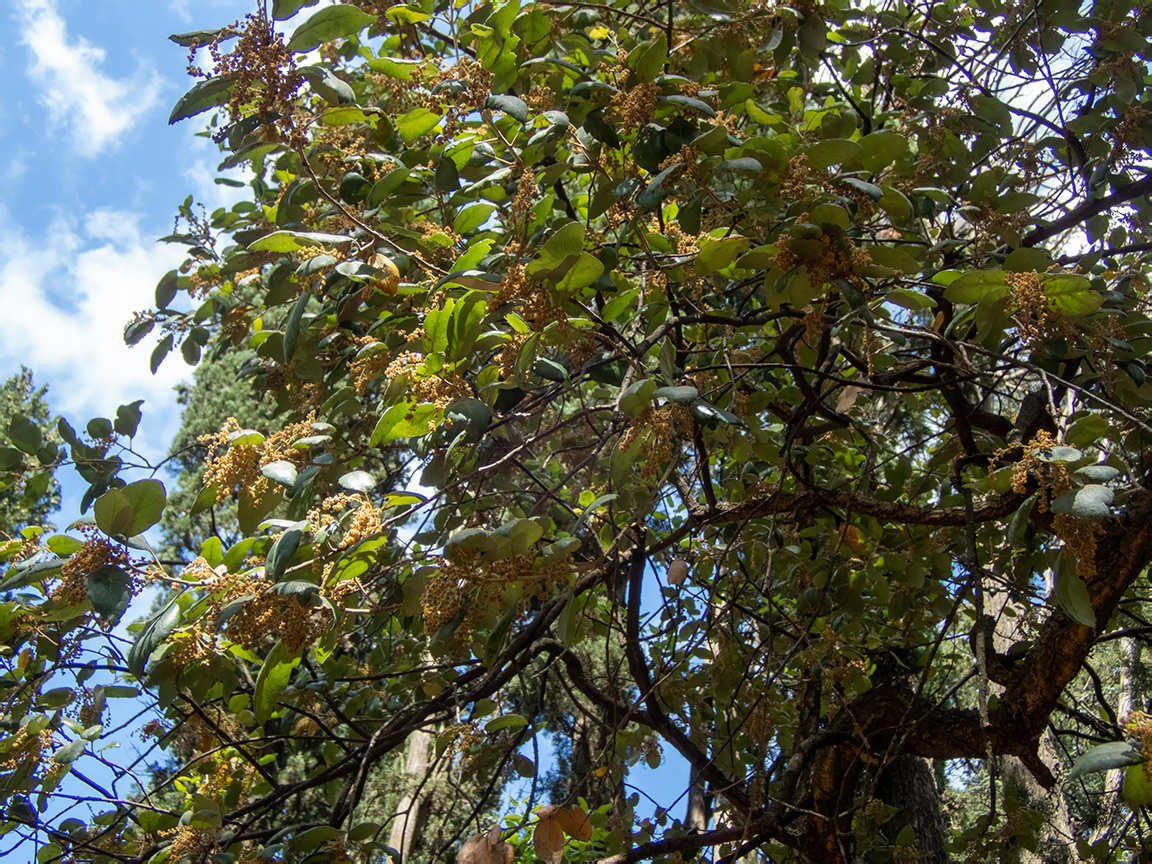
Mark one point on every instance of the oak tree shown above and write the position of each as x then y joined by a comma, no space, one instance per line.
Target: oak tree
769,383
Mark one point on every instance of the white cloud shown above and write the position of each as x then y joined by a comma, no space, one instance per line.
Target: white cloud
17,166
200,172
66,297
71,85
179,8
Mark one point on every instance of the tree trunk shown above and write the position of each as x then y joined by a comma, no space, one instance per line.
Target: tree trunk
1056,837
909,785
699,812
1114,779
410,809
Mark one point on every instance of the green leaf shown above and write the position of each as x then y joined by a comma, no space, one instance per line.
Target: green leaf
128,418
131,510
109,590
25,434
301,589
327,25
99,427
281,553
469,540
283,9
406,14
638,397
682,394
134,331
395,67
495,640
447,176
717,254
689,102
744,166
894,259
583,272
881,149
870,189
200,37
403,421
1098,473
204,95
1071,293
386,185
909,299
292,325
281,471
57,697
833,151
472,217
1105,757
1087,502
272,680
1026,259
251,511
358,481
1072,595
154,632
648,60
205,499
600,129
333,90
513,106
159,353
973,286
507,721
290,241
415,123
70,752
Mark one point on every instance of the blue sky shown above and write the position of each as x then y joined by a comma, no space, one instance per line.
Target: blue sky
90,175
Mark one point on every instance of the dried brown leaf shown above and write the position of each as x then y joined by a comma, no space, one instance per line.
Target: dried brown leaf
574,822
485,849
548,838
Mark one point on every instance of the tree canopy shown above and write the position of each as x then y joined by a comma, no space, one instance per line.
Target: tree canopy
761,387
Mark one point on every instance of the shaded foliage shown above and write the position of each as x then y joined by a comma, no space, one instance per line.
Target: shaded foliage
760,385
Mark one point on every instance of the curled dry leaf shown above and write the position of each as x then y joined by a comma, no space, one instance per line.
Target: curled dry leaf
677,573
486,849
388,283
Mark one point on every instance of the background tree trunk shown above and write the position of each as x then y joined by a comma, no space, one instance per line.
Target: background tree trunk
909,785
412,807
1056,838
1113,780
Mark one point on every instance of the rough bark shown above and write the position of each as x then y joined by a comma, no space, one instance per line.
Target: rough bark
909,785
1055,837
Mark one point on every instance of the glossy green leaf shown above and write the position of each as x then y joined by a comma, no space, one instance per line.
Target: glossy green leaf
1105,757
513,106
973,286
290,241
155,630
204,95
275,673
283,9
280,555
1088,502
327,25
25,434
109,589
